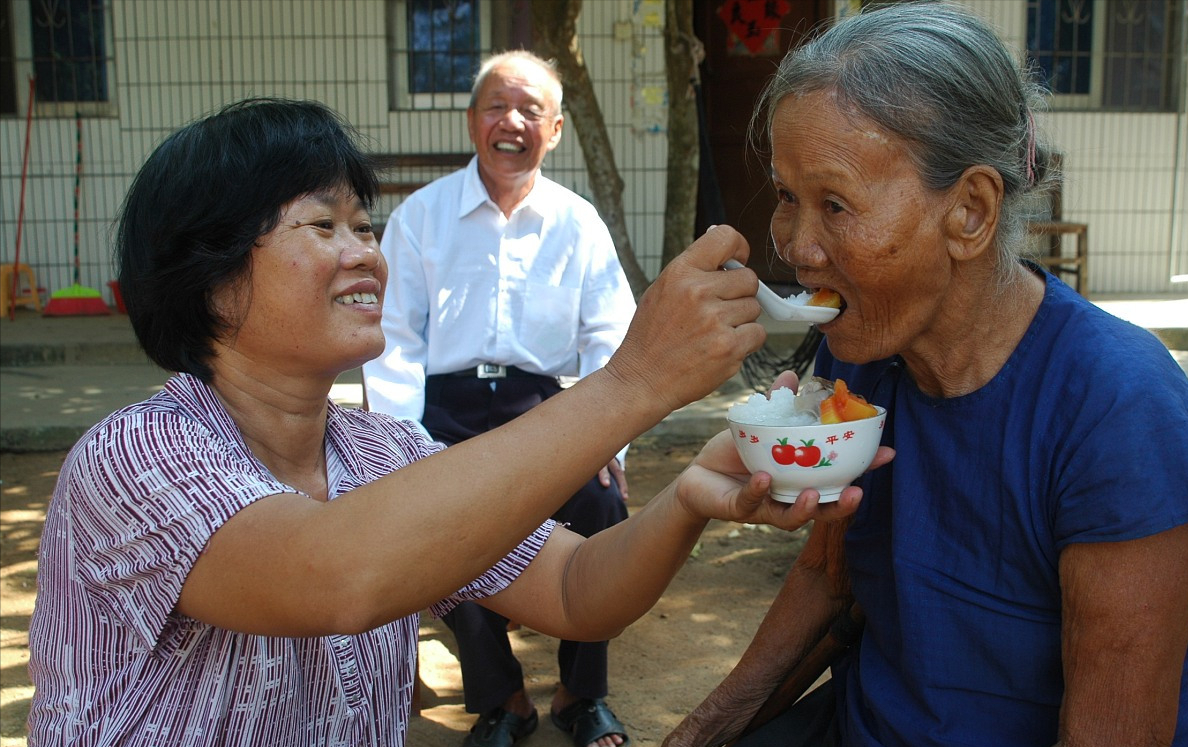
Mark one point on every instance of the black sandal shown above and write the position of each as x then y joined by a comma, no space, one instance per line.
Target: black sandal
589,720
500,728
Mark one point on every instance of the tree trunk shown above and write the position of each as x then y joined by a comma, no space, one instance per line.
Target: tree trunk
682,54
555,23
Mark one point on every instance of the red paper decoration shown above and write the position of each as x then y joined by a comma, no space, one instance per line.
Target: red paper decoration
752,21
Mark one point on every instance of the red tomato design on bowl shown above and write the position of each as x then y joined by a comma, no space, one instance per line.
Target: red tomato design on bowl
784,454
807,455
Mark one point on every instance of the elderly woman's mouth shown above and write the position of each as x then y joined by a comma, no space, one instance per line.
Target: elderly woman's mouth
826,297
351,298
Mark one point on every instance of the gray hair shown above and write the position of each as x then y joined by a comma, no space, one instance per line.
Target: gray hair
938,77
495,60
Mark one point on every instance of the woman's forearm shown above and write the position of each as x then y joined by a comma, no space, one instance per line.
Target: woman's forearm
617,575
1124,637
490,492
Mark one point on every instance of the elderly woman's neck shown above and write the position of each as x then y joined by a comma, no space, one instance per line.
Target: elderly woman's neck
982,323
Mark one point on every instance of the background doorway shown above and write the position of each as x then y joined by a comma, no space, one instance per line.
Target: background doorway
744,42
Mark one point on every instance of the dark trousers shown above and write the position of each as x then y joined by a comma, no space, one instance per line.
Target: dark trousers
809,722
458,408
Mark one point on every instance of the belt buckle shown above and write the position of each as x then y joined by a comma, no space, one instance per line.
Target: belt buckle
490,371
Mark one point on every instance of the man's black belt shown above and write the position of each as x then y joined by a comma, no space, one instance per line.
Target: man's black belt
491,371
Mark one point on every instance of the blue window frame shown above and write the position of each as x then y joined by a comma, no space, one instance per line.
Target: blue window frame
1120,55
443,43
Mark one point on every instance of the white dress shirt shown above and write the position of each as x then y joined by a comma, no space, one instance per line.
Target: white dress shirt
541,290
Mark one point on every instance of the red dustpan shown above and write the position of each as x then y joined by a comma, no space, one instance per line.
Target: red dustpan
76,300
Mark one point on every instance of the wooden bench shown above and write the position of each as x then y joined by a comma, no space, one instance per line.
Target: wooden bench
1055,228
1059,261
394,167
401,174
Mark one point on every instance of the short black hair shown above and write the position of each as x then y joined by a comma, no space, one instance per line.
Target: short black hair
203,199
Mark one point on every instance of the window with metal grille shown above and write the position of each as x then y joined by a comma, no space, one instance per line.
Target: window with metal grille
69,50
8,76
1119,55
65,47
436,46
434,51
443,45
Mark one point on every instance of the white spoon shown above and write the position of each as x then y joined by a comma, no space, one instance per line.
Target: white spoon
785,310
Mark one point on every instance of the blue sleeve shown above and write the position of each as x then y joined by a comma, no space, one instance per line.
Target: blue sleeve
1122,469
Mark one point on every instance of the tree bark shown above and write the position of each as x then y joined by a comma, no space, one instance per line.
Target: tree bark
555,24
682,55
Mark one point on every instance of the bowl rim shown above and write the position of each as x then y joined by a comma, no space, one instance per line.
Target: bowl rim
882,412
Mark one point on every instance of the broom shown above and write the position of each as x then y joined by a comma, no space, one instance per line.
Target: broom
77,300
16,263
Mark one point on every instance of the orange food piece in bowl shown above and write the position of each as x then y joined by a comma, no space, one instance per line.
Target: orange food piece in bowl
843,405
825,297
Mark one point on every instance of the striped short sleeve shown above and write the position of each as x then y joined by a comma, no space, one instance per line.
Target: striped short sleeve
499,576
145,492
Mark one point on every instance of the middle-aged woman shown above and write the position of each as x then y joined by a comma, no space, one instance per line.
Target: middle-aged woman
1023,563
239,561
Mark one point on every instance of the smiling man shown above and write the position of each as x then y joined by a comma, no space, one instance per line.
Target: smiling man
502,281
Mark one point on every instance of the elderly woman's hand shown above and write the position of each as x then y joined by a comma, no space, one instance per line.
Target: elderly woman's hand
694,325
712,723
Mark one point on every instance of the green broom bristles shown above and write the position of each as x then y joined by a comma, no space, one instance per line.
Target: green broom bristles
76,300
77,291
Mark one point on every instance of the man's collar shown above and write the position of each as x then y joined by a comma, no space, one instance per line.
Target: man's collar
474,192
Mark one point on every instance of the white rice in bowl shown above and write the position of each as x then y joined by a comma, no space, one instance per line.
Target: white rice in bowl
784,407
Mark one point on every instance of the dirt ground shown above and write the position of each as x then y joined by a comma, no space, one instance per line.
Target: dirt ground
660,668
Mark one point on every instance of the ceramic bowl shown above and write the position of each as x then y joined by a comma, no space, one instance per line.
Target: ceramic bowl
825,457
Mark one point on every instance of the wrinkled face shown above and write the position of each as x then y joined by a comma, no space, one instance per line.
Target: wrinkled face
515,121
311,300
853,215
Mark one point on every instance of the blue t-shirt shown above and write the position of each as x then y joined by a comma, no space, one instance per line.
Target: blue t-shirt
953,554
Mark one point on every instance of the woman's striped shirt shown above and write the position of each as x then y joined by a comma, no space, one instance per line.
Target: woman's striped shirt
114,664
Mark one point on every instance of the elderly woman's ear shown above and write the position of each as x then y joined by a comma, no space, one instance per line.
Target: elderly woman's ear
973,216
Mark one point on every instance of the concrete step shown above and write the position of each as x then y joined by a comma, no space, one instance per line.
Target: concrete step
75,353
31,339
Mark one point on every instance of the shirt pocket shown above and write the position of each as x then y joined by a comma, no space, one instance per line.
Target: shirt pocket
549,324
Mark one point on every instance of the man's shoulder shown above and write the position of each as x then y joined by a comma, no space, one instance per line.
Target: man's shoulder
554,188
562,198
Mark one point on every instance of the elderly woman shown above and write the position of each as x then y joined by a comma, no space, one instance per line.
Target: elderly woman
239,561
1023,563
